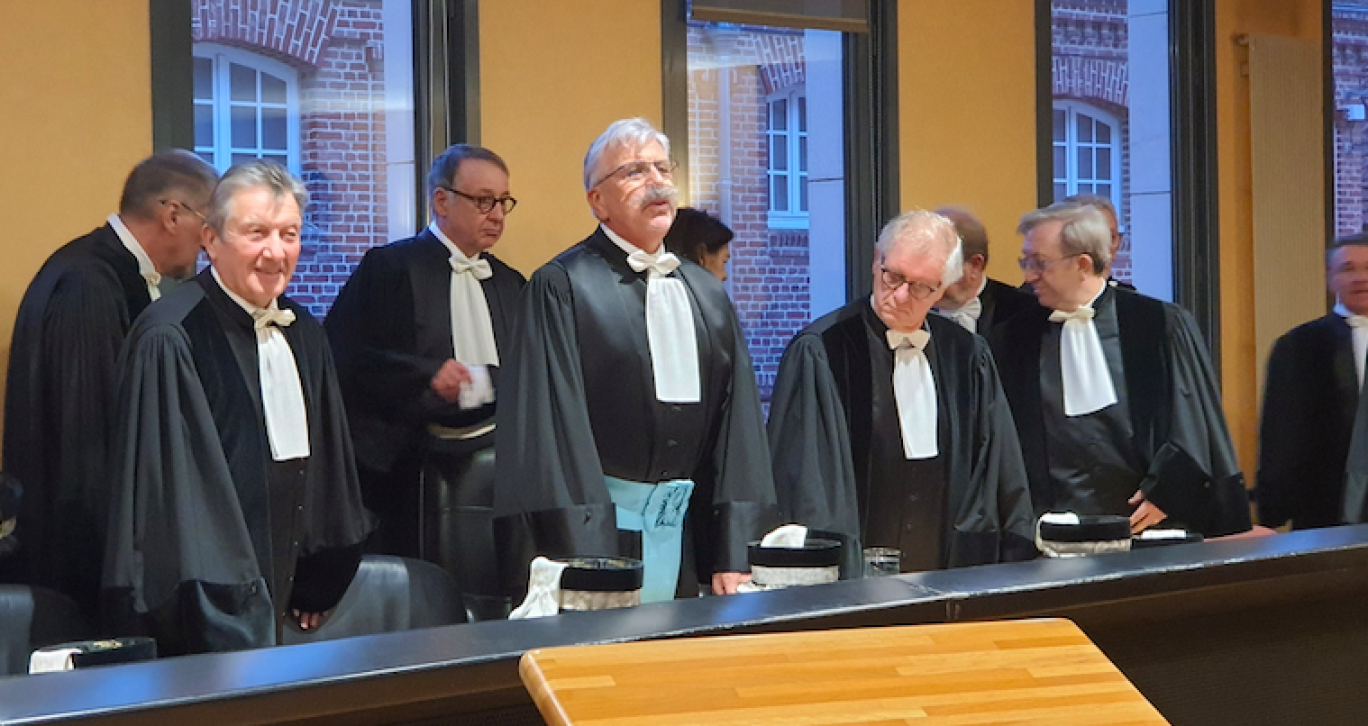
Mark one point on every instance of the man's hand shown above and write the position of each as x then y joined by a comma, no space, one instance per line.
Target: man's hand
447,383
1146,515
724,583
310,621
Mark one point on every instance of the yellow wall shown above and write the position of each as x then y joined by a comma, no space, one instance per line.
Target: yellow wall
75,116
1239,362
966,110
553,75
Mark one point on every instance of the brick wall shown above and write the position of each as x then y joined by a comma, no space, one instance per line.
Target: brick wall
337,48
1350,59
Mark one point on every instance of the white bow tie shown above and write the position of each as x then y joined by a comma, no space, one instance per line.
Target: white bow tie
281,318
914,392
1083,365
153,280
1357,321
966,315
916,339
478,267
1358,330
660,265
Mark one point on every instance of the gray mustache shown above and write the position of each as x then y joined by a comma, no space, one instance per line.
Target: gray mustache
659,193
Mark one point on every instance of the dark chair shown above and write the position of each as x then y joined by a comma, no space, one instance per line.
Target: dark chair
32,618
389,594
458,522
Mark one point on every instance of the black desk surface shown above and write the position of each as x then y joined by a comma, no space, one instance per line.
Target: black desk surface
421,670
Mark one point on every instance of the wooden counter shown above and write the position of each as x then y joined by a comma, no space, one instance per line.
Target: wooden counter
1020,672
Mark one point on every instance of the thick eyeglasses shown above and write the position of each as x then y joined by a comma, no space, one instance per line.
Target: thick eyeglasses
637,171
918,290
1037,265
183,205
487,204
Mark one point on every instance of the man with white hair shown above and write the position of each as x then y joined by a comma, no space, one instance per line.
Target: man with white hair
236,509
888,426
1114,397
976,301
628,397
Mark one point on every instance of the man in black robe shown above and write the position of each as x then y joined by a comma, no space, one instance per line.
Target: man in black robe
236,505
415,323
1311,396
60,390
977,302
1114,398
1108,210
628,378
853,459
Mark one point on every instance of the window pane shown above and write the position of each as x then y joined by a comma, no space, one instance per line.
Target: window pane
1103,133
803,193
779,115
273,128
1103,190
1085,163
1085,130
204,78
1060,191
779,201
240,158
272,89
802,153
244,127
1061,120
1104,161
802,114
779,153
242,81
277,158
1061,163
204,125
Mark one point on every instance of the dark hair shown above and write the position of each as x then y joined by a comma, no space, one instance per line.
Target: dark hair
163,172
693,231
973,236
1353,240
445,166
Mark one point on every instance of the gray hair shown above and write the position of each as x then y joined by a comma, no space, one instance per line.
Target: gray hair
973,236
254,174
448,164
1354,240
633,132
1096,201
927,233
158,175
1084,230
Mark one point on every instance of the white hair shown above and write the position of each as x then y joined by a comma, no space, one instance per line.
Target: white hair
928,233
634,132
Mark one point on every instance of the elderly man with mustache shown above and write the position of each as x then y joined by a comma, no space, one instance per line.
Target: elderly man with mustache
629,411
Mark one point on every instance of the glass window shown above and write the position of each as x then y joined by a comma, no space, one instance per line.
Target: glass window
325,89
1350,61
753,151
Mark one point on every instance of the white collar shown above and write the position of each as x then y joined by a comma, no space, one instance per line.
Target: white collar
624,245
1341,310
983,284
145,266
451,246
247,307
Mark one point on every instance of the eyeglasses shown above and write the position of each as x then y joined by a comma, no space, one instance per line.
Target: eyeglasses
1037,265
893,281
183,205
634,172
487,204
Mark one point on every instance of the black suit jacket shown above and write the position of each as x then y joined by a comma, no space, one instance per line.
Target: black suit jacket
1311,394
390,330
1000,302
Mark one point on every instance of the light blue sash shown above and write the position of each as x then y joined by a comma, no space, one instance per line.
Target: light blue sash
657,512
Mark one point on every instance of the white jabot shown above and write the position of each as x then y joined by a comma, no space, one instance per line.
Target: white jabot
1083,366
282,395
1358,326
145,267
968,314
914,389
472,333
669,324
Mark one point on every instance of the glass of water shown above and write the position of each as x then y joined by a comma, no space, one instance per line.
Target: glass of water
882,561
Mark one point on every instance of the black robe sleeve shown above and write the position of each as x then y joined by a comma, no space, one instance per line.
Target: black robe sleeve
997,468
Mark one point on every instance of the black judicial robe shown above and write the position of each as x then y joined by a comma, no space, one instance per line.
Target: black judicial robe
59,402
1311,394
578,402
1178,427
211,542
390,330
1000,303
820,435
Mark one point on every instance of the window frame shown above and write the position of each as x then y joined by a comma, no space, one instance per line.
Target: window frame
1071,180
223,57
795,131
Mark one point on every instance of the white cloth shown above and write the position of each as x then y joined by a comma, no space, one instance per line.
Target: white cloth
145,267
1087,381
479,391
543,590
282,395
472,333
669,324
968,314
52,661
914,389
1358,326
789,536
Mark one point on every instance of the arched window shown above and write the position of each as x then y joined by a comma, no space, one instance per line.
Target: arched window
1087,151
786,129
246,107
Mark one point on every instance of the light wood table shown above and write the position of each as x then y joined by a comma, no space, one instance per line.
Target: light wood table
1018,672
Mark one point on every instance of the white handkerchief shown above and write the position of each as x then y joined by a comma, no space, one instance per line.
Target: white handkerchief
282,395
669,329
914,390
1083,366
790,536
479,391
543,590
52,661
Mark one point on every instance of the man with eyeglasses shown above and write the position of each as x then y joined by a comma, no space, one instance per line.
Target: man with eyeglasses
1313,436
418,333
976,301
1113,394
60,390
888,427
1108,210
630,411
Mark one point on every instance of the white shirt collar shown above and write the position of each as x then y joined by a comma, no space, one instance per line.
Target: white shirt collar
247,307
623,244
451,246
145,266
982,285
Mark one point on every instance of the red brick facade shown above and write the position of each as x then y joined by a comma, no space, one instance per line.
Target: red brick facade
336,46
1350,58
